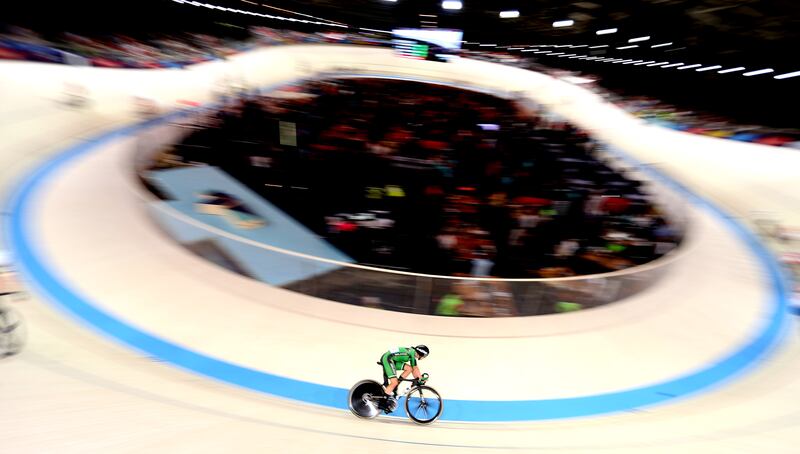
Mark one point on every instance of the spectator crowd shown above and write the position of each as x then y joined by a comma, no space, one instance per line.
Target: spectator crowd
155,51
435,180
177,51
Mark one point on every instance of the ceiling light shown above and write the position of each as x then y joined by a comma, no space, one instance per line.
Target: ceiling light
598,47
578,46
565,55
731,70
557,53
636,40
659,64
708,68
428,15
788,75
672,65
661,45
628,47
606,31
509,14
690,66
487,45
760,71
645,63
564,23
451,4
632,62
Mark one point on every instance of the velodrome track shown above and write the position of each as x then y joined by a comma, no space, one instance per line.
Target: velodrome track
75,390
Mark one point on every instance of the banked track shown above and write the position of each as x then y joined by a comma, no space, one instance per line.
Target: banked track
434,443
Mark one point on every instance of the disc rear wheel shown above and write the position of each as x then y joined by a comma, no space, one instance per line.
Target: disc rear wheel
362,400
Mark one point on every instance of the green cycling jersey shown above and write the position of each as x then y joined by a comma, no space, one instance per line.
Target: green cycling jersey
394,360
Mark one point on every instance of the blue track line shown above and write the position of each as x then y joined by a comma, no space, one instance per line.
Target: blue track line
35,267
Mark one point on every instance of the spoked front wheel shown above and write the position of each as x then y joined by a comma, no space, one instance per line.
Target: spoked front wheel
423,404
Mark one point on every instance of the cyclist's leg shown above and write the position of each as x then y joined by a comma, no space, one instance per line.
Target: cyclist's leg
406,371
391,386
393,382
389,373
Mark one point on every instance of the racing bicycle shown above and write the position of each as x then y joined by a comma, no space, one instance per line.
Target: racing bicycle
423,404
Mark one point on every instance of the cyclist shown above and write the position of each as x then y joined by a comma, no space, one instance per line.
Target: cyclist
403,359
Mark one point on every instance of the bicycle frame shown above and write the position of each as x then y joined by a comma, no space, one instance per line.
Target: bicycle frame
367,399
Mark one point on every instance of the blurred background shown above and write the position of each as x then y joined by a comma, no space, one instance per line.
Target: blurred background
447,199
753,35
